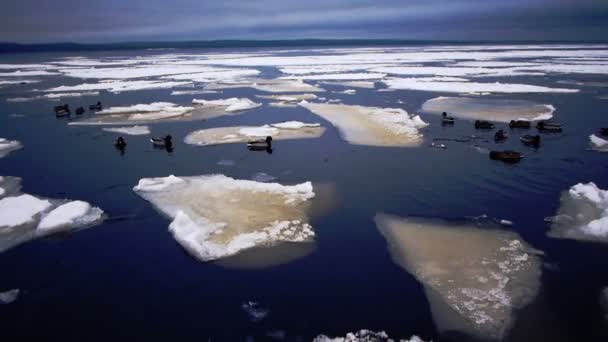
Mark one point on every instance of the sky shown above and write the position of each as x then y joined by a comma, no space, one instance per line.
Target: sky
103,21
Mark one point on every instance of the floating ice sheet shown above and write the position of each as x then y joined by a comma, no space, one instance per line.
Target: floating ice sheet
371,125
215,216
345,76
118,86
500,110
132,130
354,84
27,73
24,217
276,85
289,98
8,146
474,278
243,134
232,104
469,87
582,215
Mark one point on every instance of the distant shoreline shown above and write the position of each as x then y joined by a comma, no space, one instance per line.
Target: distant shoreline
6,48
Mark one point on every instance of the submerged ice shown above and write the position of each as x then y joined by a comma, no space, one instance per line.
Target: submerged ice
474,278
215,216
582,215
501,110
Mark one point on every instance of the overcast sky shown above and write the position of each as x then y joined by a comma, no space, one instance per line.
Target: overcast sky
29,21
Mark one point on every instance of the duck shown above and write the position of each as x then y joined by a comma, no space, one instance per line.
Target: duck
166,142
79,110
530,139
506,156
120,143
62,110
500,135
547,126
260,145
479,124
519,124
96,106
446,120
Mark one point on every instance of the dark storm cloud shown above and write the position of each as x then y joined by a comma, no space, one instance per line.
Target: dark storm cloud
138,20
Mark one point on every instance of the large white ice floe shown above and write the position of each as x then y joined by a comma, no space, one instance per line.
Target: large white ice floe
215,74
582,215
501,110
364,335
475,278
241,134
276,85
372,126
345,76
215,216
146,112
118,86
68,216
8,146
598,144
327,69
189,72
27,73
232,104
469,87
132,130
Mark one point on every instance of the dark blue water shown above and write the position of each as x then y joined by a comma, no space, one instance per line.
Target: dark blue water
128,279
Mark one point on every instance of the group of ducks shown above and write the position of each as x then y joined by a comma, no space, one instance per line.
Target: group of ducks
162,143
64,110
508,156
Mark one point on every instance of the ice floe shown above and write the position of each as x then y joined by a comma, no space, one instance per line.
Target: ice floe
27,73
242,134
118,86
475,278
8,146
469,87
322,77
53,96
327,69
501,110
24,217
133,130
148,112
276,85
193,92
69,216
582,215
189,72
347,92
13,82
372,126
215,75
354,84
9,296
214,216
598,144
364,336
289,98
232,104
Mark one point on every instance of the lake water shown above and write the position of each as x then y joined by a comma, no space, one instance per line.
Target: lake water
127,278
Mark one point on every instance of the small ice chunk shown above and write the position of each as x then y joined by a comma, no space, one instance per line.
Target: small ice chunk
255,311
9,296
68,216
8,146
133,130
598,144
233,104
347,92
157,184
19,210
506,222
583,214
